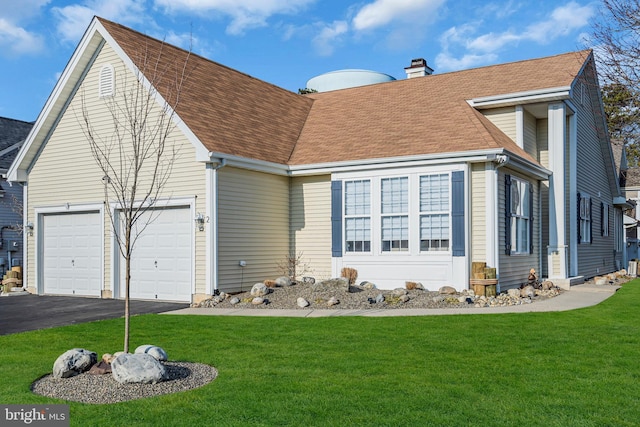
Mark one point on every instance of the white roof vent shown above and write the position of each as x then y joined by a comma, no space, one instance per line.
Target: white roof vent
106,84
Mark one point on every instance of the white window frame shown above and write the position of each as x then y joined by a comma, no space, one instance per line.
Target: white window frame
425,212
605,219
585,216
396,212
520,216
362,215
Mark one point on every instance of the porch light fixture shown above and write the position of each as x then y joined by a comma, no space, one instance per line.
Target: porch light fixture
200,221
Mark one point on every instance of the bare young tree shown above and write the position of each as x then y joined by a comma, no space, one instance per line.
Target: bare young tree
616,40
135,152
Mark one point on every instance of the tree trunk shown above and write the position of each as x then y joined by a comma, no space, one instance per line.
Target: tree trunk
127,286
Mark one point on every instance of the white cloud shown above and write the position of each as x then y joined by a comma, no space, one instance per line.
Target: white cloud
74,19
384,12
16,40
561,22
15,11
330,35
245,14
445,61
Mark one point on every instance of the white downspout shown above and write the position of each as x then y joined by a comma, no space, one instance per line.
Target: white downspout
212,231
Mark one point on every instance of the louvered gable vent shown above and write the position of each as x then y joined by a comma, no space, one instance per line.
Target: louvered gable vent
106,86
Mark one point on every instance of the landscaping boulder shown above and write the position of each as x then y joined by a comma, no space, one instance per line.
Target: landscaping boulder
137,368
100,368
257,301
528,292
302,303
73,362
339,283
513,293
157,352
283,281
447,290
259,290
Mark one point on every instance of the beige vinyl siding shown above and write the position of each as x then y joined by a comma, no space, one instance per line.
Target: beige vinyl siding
504,119
253,226
478,213
593,161
514,269
311,223
66,172
530,134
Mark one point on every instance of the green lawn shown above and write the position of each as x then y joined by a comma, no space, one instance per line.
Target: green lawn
577,368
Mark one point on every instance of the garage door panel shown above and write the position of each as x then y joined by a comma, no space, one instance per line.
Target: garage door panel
161,265
72,253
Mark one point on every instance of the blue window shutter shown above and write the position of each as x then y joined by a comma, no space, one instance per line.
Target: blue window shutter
336,219
602,218
591,221
457,213
579,221
531,211
507,214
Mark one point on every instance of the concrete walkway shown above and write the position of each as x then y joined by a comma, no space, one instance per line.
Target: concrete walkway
578,296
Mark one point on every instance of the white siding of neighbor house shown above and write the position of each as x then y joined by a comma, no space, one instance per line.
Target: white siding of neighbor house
311,223
505,119
514,269
478,213
65,171
253,226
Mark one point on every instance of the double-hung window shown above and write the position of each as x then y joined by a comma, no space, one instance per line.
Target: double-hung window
394,197
434,212
357,214
520,216
584,216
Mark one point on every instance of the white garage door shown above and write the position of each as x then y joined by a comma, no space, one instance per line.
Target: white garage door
161,261
72,253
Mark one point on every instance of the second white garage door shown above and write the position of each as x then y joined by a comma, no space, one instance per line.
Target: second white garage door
161,265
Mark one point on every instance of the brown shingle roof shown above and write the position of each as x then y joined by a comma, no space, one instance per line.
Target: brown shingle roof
234,113
229,112
425,115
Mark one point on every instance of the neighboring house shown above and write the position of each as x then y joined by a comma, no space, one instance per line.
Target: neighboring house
12,135
405,180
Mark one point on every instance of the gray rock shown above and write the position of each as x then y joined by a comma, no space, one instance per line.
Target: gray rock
368,285
283,281
137,368
447,290
156,352
527,292
302,303
420,286
73,362
339,283
514,293
438,299
257,301
308,280
234,301
333,301
399,292
547,284
379,299
259,290
404,298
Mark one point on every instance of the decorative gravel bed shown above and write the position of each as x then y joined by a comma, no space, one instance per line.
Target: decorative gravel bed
101,389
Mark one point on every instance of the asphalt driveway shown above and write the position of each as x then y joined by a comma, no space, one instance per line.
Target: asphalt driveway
31,312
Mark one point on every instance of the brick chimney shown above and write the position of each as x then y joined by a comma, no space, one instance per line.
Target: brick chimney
418,68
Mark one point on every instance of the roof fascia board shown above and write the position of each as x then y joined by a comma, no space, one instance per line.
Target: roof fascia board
478,156
22,164
201,151
247,163
527,97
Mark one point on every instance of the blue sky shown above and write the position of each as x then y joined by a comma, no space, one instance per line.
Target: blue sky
286,42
